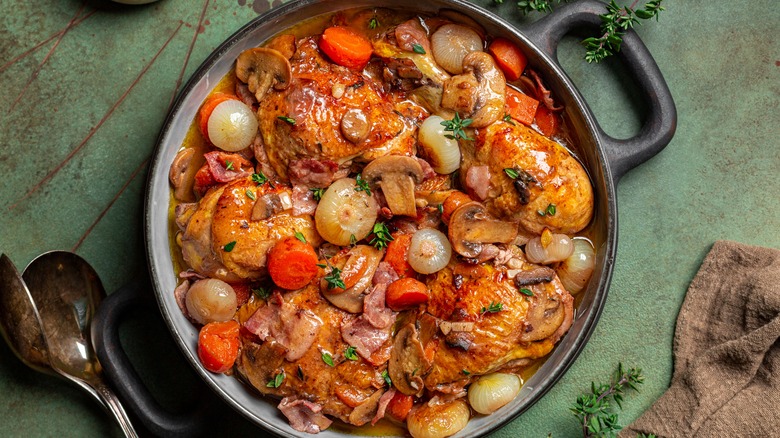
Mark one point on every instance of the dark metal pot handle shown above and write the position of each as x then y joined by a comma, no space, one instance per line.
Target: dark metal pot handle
658,129
119,369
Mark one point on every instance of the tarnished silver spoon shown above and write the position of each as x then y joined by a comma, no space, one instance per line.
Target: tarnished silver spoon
65,292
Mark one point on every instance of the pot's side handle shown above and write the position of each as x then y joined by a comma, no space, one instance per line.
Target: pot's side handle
658,129
120,371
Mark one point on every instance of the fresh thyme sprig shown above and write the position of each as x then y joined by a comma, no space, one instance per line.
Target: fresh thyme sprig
594,410
614,23
455,126
334,279
381,236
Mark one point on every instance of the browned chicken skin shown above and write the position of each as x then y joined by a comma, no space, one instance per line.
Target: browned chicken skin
319,97
560,179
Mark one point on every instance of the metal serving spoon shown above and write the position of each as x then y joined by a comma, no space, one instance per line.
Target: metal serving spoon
50,331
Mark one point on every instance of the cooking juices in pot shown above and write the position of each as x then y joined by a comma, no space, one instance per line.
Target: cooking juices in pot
376,217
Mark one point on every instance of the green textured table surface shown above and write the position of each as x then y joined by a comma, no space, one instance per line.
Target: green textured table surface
84,93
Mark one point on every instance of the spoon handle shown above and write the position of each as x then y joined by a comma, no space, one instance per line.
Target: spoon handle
111,402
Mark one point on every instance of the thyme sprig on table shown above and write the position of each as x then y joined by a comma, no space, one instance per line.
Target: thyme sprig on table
594,410
614,23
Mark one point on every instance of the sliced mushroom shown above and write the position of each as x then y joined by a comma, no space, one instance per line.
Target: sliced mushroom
396,175
407,361
471,226
544,316
261,68
365,412
284,44
355,125
266,206
541,274
479,93
182,175
362,263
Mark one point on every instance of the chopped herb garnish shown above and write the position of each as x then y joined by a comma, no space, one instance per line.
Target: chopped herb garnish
229,165
300,372
322,265
381,236
350,353
507,118
456,126
334,279
352,240
512,173
373,23
418,49
259,178
387,378
262,293
466,372
493,308
328,359
276,381
229,246
527,292
440,207
289,120
250,194
300,236
550,210
317,193
362,185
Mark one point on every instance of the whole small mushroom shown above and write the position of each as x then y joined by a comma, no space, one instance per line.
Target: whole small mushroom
355,125
472,227
396,175
479,93
262,68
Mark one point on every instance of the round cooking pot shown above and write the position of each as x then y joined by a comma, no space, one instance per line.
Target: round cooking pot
606,159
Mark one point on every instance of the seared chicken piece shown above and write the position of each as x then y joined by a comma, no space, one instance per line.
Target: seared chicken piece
507,324
221,239
338,115
339,388
548,175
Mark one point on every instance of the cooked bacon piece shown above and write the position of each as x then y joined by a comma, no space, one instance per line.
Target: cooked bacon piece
383,402
385,274
428,171
303,201
543,94
366,338
180,294
411,33
218,163
312,173
478,181
375,310
293,328
303,415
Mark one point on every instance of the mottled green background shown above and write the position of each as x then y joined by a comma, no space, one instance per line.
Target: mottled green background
79,116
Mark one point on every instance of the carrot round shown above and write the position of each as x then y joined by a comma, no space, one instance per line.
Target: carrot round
453,201
406,293
398,255
547,121
521,107
509,57
346,47
292,264
400,405
207,108
218,345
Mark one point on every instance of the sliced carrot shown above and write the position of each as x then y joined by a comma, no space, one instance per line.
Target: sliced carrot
521,107
204,180
346,47
453,201
509,57
400,405
398,255
547,121
406,293
292,264
218,345
207,108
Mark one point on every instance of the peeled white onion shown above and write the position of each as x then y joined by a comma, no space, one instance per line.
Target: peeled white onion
232,126
344,214
443,153
492,391
211,300
576,270
439,420
559,249
451,43
429,251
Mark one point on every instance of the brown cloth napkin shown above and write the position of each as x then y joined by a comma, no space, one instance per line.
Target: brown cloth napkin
726,379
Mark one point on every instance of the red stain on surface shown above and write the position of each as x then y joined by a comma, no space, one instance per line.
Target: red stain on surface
260,6
242,2
777,63
39,45
92,131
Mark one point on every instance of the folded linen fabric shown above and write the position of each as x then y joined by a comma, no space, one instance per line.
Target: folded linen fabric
726,380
